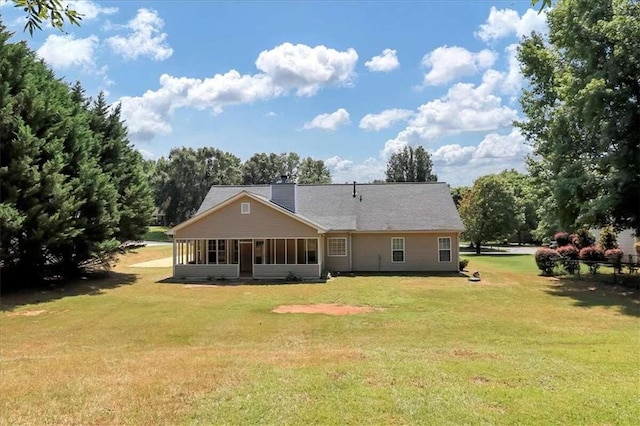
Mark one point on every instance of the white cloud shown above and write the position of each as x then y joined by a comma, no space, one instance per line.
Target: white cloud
503,23
385,119
465,108
329,121
150,113
146,154
65,51
449,63
513,80
343,170
144,39
460,165
453,154
271,114
89,10
306,68
337,163
387,61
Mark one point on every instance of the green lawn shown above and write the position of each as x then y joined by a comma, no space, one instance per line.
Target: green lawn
516,348
157,233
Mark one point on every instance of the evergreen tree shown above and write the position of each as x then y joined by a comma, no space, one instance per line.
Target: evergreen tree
125,167
56,206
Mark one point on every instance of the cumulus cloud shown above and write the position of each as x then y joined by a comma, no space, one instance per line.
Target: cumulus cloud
465,108
144,39
459,165
385,62
146,154
65,51
306,68
385,119
329,121
503,23
343,170
88,9
285,69
450,63
513,79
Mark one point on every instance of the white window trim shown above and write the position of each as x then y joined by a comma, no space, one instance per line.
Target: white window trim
245,208
344,239
404,250
450,250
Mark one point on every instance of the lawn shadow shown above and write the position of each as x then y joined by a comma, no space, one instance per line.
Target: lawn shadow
589,293
496,255
91,285
442,274
235,282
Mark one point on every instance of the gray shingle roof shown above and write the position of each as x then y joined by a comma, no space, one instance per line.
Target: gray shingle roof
377,207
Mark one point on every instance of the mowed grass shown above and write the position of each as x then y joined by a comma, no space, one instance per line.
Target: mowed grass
157,233
516,348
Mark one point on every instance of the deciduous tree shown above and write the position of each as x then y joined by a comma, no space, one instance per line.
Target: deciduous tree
313,171
582,105
488,211
410,165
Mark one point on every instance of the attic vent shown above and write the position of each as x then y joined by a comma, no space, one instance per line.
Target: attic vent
245,208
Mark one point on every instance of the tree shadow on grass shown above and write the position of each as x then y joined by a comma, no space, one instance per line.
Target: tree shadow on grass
588,292
91,285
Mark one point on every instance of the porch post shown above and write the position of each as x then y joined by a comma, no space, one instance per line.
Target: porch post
174,255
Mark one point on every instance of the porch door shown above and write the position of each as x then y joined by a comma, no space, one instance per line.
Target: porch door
246,257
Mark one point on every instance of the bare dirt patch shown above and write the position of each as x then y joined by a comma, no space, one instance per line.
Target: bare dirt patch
324,308
27,313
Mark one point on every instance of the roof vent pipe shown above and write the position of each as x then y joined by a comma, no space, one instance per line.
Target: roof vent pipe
354,189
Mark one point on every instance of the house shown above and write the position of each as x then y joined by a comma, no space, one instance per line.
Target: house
626,240
285,229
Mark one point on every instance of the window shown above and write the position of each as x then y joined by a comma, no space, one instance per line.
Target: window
444,249
258,252
213,258
336,247
312,251
245,208
397,250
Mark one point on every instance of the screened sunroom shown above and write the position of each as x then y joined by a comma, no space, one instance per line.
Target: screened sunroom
247,257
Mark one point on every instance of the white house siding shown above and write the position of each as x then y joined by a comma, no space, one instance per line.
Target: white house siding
205,271
281,271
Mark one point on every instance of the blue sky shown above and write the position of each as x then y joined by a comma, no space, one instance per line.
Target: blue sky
345,82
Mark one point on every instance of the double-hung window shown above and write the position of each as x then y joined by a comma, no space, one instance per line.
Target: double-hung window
397,250
444,249
336,247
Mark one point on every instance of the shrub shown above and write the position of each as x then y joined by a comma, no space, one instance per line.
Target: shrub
585,238
591,256
562,238
569,258
636,247
292,277
546,259
463,264
608,238
615,257
573,239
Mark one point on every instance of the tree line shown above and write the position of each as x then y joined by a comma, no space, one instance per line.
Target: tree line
181,180
72,188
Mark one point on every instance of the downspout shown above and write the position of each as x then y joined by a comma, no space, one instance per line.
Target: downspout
174,255
350,252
